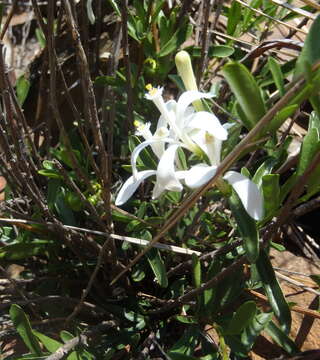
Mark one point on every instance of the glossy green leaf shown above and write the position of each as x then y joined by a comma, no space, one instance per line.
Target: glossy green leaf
41,38
310,53
249,14
310,146
187,343
178,356
264,169
243,316
273,291
23,327
78,354
177,39
20,251
254,328
158,267
52,174
22,86
220,51
115,7
247,227
226,292
186,319
234,16
276,74
50,344
196,266
271,193
316,279
246,91
314,121
281,338
280,118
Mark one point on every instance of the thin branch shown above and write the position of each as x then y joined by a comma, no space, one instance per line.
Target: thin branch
197,291
297,283
126,60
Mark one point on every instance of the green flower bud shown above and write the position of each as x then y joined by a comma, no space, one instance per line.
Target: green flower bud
184,67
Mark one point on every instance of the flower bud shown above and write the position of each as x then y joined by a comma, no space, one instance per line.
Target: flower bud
184,67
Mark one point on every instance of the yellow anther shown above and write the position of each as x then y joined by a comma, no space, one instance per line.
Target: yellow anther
151,90
136,123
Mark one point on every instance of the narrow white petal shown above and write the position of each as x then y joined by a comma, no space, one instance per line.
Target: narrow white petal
136,151
248,193
199,175
206,121
187,98
157,190
166,176
131,185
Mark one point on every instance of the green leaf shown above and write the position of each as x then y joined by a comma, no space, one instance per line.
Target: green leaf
314,121
49,343
41,38
186,319
310,53
177,39
273,291
247,227
253,330
23,327
66,336
246,91
316,279
115,7
22,86
52,174
234,17
243,316
158,267
281,338
227,291
276,74
280,117
271,193
264,169
220,51
196,266
178,356
20,251
178,81
187,343
309,148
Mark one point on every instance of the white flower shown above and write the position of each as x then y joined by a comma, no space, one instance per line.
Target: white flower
179,126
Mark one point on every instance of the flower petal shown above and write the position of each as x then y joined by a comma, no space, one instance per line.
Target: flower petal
199,175
186,99
248,193
136,151
166,177
206,121
131,185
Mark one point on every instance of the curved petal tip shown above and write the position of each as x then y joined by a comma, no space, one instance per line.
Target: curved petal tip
248,193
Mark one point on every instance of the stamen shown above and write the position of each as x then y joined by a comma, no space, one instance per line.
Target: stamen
151,90
208,138
137,123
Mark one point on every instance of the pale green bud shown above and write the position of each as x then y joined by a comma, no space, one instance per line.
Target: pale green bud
184,67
